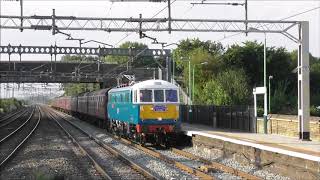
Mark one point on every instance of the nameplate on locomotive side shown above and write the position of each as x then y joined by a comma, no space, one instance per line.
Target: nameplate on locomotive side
159,108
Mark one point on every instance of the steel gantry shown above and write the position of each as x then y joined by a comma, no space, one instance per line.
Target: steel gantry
63,72
56,23
94,51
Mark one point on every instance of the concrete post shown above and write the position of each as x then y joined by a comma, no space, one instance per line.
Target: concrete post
168,68
303,82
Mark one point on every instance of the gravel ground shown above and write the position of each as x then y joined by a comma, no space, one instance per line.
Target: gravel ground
8,145
196,164
114,167
49,154
154,165
216,155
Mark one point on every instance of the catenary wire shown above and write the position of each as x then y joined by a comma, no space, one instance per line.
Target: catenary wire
128,34
294,15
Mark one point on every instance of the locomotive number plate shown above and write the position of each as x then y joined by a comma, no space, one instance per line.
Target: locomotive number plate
159,108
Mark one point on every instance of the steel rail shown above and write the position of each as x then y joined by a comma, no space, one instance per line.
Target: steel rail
12,119
9,115
209,164
22,142
19,128
95,163
113,151
215,165
158,155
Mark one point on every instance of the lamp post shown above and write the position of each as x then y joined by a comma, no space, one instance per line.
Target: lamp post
270,77
265,114
265,106
163,45
203,63
189,89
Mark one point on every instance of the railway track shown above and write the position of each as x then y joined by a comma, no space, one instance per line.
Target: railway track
203,171
15,123
110,163
12,142
213,166
178,165
6,120
9,115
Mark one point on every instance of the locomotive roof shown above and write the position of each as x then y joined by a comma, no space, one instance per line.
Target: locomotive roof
148,84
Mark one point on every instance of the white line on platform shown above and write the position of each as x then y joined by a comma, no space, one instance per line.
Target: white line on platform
259,146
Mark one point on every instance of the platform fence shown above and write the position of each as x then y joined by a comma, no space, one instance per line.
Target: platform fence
234,118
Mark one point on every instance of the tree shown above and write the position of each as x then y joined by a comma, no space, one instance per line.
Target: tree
71,89
228,88
248,57
198,52
137,61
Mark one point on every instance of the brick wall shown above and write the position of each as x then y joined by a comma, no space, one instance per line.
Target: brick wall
288,126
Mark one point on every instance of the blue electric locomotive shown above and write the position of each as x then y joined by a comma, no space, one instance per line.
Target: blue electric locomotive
147,111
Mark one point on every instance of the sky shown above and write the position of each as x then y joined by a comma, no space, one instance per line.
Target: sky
257,10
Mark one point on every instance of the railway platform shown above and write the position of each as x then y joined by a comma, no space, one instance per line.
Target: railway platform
285,155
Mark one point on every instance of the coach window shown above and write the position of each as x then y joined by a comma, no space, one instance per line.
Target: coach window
145,95
158,96
126,97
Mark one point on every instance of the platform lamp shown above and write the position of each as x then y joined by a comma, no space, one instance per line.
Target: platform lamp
189,89
265,104
270,77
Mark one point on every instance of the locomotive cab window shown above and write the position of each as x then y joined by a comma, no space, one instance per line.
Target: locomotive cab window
145,95
158,96
171,95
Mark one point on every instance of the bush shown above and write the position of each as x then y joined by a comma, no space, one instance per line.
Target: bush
279,99
314,111
260,111
7,105
228,88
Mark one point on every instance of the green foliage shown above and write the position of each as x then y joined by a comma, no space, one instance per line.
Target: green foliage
228,88
78,58
10,104
260,112
194,49
137,61
72,89
216,84
314,111
248,57
315,79
213,93
280,97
